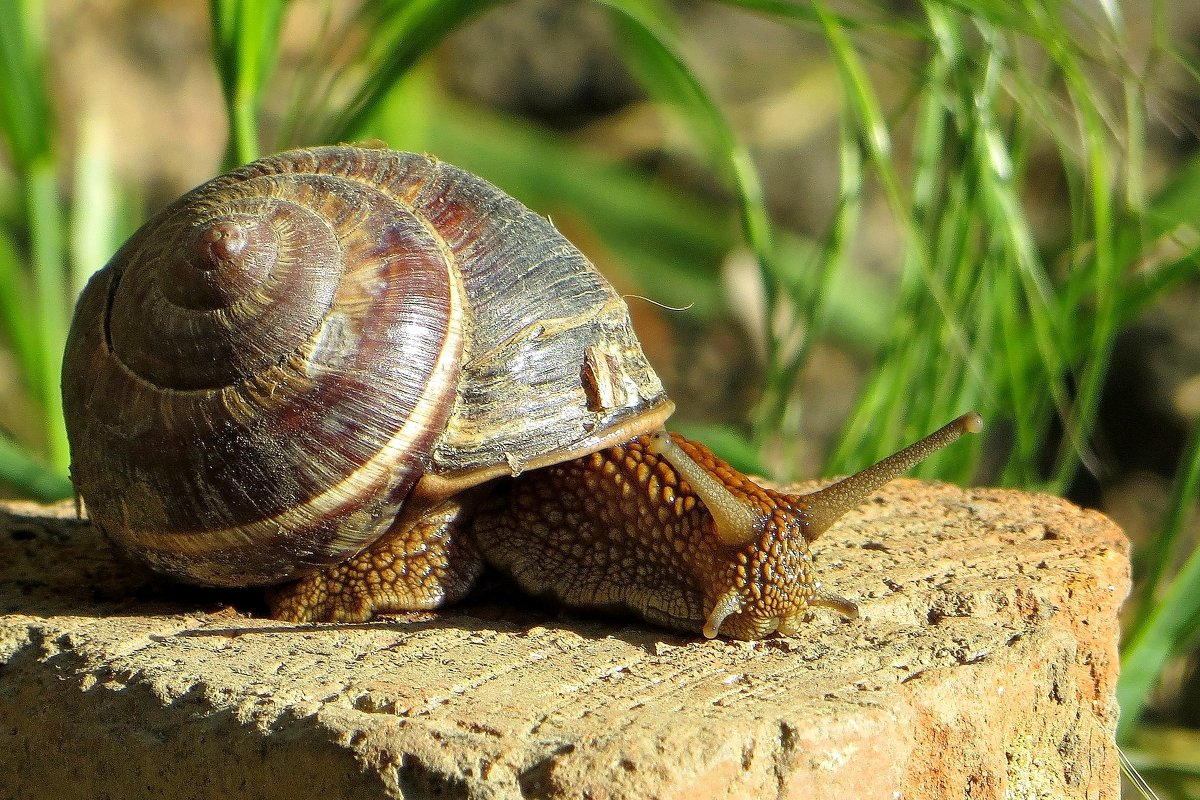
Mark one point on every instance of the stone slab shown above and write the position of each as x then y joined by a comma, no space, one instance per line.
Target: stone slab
984,666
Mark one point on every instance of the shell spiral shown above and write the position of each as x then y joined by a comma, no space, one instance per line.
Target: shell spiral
257,380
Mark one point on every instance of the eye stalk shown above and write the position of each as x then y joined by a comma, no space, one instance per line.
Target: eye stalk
738,522
825,507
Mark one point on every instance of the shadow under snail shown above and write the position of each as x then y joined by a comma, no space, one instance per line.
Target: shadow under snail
357,375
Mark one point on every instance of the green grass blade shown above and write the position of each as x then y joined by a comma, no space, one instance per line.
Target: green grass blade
916,372
26,128
786,9
1162,547
1168,619
655,56
651,50
50,302
1160,247
24,107
39,324
799,13
96,223
1100,276
19,328
870,419
403,32
245,42
822,287
1158,639
863,101
1157,752
28,475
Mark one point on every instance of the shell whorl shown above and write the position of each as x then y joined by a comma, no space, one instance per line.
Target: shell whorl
276,351
264,371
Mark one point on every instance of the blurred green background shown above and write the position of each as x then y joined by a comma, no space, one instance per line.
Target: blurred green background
838,224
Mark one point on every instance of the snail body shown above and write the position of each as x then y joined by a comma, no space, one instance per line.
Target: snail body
356,375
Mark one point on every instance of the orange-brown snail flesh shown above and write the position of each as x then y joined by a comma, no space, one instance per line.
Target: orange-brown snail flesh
629,527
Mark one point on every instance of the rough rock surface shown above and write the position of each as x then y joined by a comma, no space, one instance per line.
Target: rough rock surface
984,665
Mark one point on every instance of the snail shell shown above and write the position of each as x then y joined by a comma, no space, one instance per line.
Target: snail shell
271,365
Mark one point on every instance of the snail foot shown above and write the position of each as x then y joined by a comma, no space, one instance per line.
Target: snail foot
419,564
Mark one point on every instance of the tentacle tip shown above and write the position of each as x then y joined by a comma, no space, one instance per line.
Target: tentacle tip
729,604
659,441
972,422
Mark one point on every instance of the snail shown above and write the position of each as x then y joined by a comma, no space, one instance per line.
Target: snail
356,376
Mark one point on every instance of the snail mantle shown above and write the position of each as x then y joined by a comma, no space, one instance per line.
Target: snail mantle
983,665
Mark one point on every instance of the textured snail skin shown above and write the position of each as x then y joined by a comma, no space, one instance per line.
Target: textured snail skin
621,529
427,560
